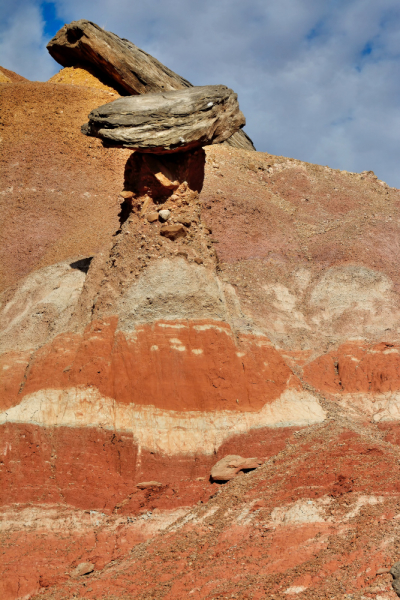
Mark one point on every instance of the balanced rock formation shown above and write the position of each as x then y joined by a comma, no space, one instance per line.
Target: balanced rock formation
271,329
228,467
171,121
127,67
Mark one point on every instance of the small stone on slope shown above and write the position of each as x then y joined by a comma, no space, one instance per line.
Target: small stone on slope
228,467
173,232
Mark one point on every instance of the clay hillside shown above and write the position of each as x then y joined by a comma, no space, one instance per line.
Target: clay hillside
200,347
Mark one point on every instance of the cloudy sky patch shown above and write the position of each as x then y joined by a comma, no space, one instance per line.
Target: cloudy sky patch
318,80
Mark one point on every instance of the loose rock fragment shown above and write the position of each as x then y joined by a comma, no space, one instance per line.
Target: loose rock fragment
229,466
83,568
164,214
185,220
152,216
126,195
173,232
159,169
182,252
145,205
144,485
165,182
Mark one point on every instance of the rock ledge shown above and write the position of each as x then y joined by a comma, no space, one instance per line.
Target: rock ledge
170,121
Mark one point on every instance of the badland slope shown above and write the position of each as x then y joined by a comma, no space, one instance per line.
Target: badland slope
10,76
133,358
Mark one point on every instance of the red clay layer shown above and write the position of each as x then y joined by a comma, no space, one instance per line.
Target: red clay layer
223,555
356,367
95,470
168,378
91,468
125,369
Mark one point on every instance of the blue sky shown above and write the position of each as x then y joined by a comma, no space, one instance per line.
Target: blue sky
51,21
318,80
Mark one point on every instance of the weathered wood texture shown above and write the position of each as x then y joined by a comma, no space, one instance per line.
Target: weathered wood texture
129,68
132,69
168,122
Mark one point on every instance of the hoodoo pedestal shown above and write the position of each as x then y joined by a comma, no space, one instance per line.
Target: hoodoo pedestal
165,174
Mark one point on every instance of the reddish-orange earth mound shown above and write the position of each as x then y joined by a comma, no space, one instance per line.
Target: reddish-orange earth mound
271,331
13,77
319,520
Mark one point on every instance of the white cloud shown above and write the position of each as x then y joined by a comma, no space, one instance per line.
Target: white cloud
304,84
22,45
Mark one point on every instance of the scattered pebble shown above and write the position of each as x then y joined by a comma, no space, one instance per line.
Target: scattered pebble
152,216
164,214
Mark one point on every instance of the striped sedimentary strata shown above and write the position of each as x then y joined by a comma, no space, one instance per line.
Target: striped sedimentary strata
362,377
139,364
275,310
143,364
148,346
176,384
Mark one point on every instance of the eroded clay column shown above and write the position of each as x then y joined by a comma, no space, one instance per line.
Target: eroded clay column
160,212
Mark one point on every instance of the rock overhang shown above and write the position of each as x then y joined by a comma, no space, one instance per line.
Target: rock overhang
173,121
126,67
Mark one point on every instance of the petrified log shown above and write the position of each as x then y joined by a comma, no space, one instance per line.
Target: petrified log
130,69
168,122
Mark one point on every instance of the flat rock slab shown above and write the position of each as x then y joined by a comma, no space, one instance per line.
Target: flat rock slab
168,122
228,467
83,568
173,232
124,65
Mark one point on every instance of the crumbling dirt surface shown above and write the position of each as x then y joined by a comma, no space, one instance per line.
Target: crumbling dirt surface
59,189
11,76
317,520
81,77
292,237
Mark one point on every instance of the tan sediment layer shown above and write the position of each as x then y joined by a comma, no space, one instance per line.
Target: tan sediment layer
154,429
80,76
4,78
